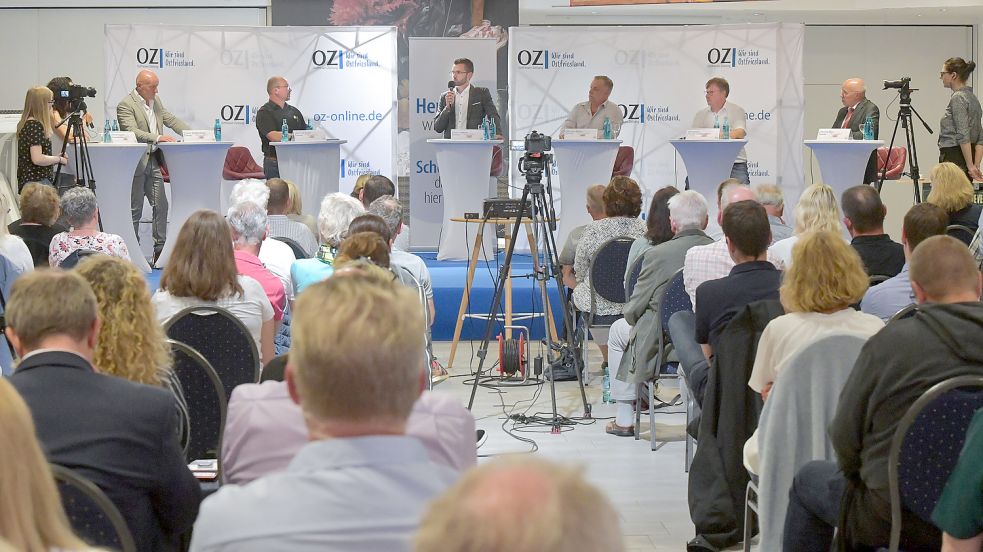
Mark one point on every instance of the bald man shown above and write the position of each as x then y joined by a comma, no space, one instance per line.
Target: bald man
270,118
856,108
142,113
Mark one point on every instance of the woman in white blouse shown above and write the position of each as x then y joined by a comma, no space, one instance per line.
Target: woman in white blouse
202,271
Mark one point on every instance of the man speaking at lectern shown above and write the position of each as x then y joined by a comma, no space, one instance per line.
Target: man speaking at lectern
856,108
465,106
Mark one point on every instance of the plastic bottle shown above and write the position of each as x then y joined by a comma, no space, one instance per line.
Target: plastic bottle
105,132
607,129
218,130
606,386
869,128
115,125
484,127
725,130
716,121
284,132
310,124
492,131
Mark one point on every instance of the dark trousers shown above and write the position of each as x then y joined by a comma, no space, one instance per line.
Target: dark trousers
954,155
682,330
271,168
813,507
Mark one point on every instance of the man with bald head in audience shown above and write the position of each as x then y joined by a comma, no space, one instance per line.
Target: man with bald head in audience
521,504
863,216
895,367
856,108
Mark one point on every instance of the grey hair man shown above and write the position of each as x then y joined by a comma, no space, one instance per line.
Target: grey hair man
854,114
772,199
248,222
391,211
274,254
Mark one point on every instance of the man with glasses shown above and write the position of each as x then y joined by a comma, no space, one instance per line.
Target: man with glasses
269,122
465,106
718,110
856,108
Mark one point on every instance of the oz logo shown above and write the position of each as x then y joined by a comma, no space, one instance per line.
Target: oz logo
332,59
633,113
150,57
533,58
722,57
235,113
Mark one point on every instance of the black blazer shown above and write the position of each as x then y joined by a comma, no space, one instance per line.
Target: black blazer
480,104
864,108
119,434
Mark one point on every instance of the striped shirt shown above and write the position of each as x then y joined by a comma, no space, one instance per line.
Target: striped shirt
283,227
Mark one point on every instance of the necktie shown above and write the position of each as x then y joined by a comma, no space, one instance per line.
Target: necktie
846,121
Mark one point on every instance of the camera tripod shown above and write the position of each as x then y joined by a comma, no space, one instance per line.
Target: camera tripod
904,119
83,164
532,165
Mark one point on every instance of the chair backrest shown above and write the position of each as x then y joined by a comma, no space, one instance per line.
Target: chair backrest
633,272
907,312
94,518
624,161
875,279
205,398
222,339
239,164
793,422
497,164
607,270
75,257
674,299
891,162
926,445
294,246
960,232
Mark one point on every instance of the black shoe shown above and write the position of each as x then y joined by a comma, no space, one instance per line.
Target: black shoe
480,438
700,544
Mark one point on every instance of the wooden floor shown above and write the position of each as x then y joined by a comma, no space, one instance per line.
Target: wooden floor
647,488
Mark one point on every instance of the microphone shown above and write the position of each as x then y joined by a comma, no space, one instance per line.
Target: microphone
450,85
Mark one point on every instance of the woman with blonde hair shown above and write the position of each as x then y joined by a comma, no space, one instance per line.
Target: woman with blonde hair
296,210
34,159
31,515
363,245
818,210
953,192
202,272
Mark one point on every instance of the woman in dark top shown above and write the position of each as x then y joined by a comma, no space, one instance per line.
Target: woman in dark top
960,131
39,209
34,160
952,191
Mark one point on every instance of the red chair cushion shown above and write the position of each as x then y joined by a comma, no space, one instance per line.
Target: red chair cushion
624,161
899,155
239,164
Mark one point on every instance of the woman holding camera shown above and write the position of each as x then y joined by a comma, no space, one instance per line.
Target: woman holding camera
960,132
34,159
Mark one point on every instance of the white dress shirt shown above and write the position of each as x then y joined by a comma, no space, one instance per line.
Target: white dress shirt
461,107
736,117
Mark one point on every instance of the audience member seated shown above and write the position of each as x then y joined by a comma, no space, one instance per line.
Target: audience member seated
11,246
635,339
816,211
202,272
275,255
959,511
39,211
773,200
622,203
296,210
375,187
595,208
825,278
952,190
747,232
264,429
360,483
119,434
277,206
863,215
31,515
712,261
337,212
391,211
921,222
82,215
488,509
369,246
248,222
896,366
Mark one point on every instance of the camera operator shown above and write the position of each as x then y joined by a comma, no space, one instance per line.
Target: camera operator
34,158
960,131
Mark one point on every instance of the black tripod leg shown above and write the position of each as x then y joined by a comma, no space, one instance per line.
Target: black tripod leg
890,150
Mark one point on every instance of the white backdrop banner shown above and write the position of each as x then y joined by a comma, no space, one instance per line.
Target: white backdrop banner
343,80
659,75
430,65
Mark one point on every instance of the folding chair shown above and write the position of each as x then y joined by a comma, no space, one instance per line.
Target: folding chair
92,515
607,281
206,402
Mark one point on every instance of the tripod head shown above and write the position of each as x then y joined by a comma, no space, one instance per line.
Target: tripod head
536,160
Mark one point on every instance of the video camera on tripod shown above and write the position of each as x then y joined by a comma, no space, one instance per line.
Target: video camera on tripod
535,160
905,112
903,85
73,96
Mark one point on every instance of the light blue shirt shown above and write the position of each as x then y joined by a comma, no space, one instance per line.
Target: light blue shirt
360,493
304,272
888,297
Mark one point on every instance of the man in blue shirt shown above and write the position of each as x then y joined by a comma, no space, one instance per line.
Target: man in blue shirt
920,223
360,483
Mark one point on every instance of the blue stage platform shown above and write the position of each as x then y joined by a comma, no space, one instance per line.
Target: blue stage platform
449,278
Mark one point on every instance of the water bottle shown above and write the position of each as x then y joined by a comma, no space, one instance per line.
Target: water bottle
869,128
115,125
606,386
484,126
218,130
492,131
716,121
284,132
726,129
310,124
607,129
105,132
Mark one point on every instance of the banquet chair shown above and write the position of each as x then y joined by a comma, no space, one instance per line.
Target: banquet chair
93,517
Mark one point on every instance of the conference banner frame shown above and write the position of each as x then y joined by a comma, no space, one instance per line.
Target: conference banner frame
659,75
343,79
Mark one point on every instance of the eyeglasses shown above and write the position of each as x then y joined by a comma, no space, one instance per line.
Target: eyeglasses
285,86
460,72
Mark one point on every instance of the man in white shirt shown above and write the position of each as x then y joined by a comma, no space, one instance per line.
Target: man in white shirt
465,106
719,110
597,109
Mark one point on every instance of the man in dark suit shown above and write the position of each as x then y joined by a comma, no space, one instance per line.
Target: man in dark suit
856,108
120,435
465,106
